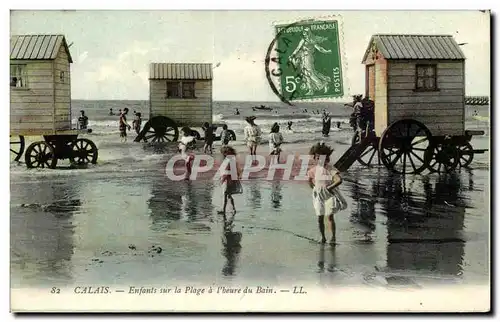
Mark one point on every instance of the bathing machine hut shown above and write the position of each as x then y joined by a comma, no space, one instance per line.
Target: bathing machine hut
40,84
417,83
179,94
40,103
420,77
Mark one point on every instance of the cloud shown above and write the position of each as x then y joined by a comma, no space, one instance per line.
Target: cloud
123,76
81,58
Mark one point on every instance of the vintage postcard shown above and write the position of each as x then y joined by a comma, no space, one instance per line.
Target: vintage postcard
250,161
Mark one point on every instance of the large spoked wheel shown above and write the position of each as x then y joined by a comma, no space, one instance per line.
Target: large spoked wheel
40,155
403,147
83,151
443,157
16,147
466,155
161,129
370,156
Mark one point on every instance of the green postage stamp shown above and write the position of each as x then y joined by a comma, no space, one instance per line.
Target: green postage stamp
309,58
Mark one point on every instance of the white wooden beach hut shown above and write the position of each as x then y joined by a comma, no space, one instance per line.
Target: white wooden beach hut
420,77
40,84
180,94
40,103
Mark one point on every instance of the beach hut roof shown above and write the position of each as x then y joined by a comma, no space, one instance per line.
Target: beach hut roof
442,47
180,71
37,47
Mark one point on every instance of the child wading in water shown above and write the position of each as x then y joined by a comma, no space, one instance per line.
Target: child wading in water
275,141
187,143
324,179
230,185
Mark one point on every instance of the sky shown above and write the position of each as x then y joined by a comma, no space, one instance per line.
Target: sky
112,50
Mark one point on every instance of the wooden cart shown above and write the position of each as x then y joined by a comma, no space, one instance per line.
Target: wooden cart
417,83
180,94
40,103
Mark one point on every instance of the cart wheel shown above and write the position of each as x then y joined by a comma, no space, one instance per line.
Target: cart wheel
232,135
161,129
40,155
370,155
16,147
443,158
466,155
403,146
83,151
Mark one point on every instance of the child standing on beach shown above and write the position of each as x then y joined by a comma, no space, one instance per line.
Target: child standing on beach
209,137
187,143
275,141
252,135
324,179
230,185
224,136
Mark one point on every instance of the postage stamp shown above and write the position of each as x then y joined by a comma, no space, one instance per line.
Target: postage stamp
308,60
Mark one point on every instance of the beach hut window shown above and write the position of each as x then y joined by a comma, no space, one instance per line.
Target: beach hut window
426,78
18,76
188,90
173,90
61,77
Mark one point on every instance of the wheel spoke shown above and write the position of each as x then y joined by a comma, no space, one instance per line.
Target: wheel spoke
396,159
44,149
149,136
420,159
411,162
370,148
404,162
419,149
419,141
371,157
11,150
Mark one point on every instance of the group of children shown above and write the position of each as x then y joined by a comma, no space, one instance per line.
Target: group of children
323,178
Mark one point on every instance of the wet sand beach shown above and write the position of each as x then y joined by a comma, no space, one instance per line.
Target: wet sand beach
122,222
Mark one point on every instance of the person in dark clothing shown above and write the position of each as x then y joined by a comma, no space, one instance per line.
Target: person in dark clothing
209,137
110,111
289,125
327,123
123,125
137,122
83,121
237,112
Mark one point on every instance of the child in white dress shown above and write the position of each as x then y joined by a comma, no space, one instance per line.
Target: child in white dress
324,179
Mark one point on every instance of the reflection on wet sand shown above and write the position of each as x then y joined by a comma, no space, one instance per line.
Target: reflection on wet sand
363,210
172,201
276,195
425,234
255,198
231,242
41,234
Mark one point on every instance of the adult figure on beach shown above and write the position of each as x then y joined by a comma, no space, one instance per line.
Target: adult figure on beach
324,180
302,59
327,123
289,125
83,121
252,134
275,141
111,112
123,125
237,112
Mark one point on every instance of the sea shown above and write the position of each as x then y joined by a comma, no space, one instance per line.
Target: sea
104,224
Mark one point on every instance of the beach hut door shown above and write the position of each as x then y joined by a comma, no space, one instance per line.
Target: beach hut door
370,88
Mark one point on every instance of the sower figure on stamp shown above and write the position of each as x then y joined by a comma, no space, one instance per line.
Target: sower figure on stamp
303,60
